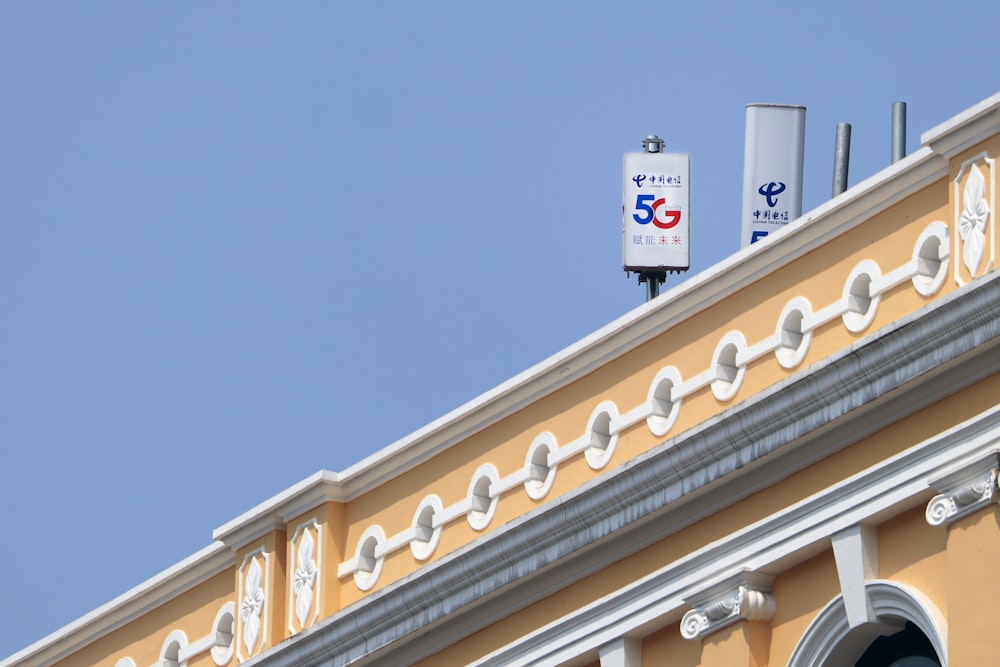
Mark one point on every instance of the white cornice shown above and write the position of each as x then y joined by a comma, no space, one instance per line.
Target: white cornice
142,599
272,514
966,129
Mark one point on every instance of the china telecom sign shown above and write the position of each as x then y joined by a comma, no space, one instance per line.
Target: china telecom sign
656,208
772,169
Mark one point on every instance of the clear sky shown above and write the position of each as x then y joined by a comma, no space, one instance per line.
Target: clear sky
242,242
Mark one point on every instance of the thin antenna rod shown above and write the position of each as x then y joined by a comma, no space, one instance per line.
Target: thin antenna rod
841,158
898,131
653,279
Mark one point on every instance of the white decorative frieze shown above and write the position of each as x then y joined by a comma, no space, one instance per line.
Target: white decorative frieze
974,206
745,596
964,491
304,576
252,598
927,270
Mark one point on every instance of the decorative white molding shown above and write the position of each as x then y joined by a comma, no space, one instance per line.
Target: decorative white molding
790,342
176,651
223,635
663,407
963,491
727,367
930,258
172,652
831,641
973,213
603,438
855,551
252,597
304,583
745,596
541,472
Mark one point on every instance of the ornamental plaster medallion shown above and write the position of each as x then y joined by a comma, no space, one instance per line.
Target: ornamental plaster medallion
975,231
252,600
304,584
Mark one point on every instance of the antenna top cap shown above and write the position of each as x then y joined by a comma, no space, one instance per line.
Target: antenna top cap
652,144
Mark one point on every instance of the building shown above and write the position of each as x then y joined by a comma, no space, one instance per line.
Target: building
790,459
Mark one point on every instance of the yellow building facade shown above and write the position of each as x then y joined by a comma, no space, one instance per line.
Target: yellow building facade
790,459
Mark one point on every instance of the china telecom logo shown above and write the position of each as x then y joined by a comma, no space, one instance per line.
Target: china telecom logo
771,191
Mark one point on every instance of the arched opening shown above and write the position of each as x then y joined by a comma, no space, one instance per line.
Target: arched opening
908,631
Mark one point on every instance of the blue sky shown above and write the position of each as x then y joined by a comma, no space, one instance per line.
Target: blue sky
242,242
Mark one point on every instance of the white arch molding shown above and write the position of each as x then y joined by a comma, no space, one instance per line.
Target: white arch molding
830,641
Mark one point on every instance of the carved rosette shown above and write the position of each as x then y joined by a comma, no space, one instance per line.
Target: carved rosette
974,205
252,600
973,490
746,596
304,582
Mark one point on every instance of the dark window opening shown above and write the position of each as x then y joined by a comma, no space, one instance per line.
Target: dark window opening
907,648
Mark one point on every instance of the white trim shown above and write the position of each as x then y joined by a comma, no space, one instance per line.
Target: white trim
830,641
597,456
178,638
660,424
224,646
539,488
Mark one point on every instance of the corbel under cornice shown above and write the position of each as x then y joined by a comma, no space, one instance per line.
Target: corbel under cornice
743,596
964,490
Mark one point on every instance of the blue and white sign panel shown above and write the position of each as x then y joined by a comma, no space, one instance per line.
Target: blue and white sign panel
772,169
656,209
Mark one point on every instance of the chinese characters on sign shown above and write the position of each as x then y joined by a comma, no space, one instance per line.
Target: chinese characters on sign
772,169
655,212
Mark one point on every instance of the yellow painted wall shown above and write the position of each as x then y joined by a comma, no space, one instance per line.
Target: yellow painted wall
973,554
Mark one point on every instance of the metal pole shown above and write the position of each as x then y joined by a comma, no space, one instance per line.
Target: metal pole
898,131
653,279
841,158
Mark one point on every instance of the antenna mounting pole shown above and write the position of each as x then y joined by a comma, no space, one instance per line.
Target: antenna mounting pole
653,279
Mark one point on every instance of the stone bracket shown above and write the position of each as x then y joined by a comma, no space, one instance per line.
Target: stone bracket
746,595
964,491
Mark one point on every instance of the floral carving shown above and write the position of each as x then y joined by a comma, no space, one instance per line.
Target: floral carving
972,224
251,606
304,578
